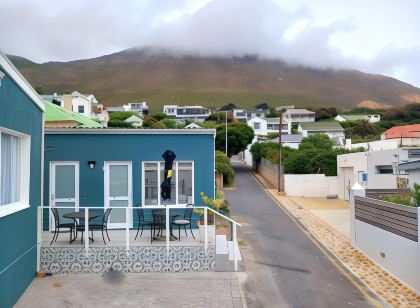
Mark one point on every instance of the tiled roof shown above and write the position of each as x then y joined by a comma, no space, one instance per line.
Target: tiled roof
321,126
406,131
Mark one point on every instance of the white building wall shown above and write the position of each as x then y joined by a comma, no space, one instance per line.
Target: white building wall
81,101
310,185
397,255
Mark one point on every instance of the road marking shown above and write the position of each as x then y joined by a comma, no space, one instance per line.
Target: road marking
339,267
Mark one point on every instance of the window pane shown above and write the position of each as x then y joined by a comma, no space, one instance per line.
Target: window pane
150,184
185,183
10,168
172,199
64,182
118,181
118,215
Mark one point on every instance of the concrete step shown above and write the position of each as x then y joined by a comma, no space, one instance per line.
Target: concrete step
222,254
237,251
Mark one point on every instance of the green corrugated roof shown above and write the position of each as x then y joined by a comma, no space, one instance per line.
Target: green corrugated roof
57,113
333,125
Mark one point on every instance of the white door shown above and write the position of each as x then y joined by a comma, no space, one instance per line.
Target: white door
64,189
118,192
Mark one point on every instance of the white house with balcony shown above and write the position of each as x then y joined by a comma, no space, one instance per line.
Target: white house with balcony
196,113
332,129
246,115
265,126
86,105
372,118
296,116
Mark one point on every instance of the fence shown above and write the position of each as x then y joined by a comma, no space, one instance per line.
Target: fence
386,232
269,172
128,212
377,193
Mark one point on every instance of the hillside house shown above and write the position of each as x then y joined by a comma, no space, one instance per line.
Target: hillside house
405,135
372,118
264,126
244,115
58,117
195,113
332,129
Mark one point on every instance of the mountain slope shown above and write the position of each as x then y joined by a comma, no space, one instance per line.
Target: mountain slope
161,77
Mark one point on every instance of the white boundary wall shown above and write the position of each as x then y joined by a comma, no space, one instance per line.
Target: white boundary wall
397,255
310,185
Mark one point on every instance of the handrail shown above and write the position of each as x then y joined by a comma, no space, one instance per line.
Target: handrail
225,217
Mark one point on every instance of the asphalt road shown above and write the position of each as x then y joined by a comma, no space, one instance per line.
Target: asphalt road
283,267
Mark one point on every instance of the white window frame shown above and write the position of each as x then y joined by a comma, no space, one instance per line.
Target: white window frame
175,168
25,168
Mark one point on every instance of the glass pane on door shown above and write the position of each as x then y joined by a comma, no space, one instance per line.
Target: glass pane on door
61,212
185,183
65,182
118,181
118,215
150,184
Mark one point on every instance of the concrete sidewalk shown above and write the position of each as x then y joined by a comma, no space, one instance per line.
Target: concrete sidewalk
334,212
135,290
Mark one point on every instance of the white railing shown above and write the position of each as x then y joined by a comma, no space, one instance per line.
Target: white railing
167,208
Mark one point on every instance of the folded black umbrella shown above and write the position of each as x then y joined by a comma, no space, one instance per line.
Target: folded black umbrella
169,157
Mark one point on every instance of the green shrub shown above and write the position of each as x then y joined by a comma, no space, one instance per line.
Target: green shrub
398,200
224,167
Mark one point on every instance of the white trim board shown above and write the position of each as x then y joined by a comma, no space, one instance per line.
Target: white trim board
136,131
14,73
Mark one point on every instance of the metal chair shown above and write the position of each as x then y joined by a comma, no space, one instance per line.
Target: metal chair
185,222
59,225
102,226
143,222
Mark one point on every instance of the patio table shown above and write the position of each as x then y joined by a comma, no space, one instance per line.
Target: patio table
80,215
162,215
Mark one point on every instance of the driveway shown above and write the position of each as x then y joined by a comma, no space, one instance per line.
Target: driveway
284,267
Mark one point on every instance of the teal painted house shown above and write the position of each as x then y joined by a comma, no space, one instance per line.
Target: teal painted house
124,167
21,137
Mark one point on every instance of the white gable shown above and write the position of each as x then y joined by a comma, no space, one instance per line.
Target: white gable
13,72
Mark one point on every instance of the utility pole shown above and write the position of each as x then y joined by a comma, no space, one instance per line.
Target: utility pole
279,165
226,140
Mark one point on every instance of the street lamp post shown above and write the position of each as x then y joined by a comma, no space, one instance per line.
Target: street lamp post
226,134
279,165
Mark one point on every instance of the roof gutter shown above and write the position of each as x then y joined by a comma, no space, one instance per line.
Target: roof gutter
125,131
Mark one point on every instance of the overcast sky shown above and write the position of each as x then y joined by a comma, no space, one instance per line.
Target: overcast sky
376,36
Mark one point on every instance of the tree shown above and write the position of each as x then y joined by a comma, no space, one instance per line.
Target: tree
316,141
218,117
322,113
224,167
273,113
396,114
170,123
119,123
160,116
122,115
228,106
158,124
148,121
263,106
239,136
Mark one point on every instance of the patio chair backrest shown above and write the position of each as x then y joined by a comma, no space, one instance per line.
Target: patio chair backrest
188,211
106,216
140,213
56,216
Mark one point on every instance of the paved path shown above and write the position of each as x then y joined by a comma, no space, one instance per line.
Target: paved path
284,267
171,290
